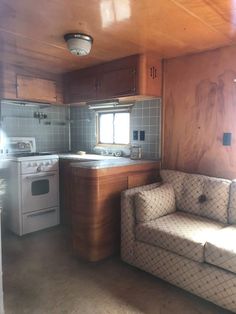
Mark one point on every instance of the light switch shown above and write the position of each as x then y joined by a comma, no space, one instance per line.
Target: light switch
227,138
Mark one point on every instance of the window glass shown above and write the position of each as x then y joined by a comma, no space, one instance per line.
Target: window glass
121,128
106,128
114,128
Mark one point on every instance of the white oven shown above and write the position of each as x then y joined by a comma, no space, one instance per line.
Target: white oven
33,189
39,191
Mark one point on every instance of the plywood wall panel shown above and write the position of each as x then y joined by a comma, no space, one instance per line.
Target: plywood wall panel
200,105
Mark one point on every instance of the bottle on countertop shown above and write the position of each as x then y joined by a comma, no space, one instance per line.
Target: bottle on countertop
135,152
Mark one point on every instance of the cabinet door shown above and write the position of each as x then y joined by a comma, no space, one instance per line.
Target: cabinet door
31,88
117,83
82,88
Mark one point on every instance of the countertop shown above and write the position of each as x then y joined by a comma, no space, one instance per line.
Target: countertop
110,163
86,157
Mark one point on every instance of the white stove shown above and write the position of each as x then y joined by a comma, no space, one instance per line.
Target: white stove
33,187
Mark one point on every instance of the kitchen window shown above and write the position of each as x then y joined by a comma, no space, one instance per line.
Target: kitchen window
114,128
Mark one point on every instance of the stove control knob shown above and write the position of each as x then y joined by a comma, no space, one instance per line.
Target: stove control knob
39,168
29,165
35,164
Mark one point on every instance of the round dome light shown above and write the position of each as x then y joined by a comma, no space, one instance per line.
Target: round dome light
79,44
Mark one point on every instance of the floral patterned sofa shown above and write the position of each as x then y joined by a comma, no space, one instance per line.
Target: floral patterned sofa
183,230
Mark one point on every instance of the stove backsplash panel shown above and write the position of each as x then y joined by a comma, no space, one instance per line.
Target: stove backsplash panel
51,133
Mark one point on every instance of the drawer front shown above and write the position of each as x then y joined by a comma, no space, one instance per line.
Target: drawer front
41,219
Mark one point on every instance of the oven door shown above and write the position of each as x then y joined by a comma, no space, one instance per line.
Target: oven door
39,191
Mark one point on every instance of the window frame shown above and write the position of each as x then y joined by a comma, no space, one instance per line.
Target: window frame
114,112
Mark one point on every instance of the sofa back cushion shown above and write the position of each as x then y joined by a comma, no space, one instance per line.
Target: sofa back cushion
202,195
217,199
192,190
176,179
152,204
232,203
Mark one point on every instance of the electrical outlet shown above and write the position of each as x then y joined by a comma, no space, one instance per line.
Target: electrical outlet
142,136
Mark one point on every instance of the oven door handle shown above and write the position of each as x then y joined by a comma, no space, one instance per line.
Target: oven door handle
41,213
35,176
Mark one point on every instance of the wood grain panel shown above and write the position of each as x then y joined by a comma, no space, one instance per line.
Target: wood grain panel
95,205
65,199
96,228
217,14
200,105
31,32
150,75
132,77
8,81
142,178
32,88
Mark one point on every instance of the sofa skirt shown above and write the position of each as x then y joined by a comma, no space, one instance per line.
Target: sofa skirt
205,280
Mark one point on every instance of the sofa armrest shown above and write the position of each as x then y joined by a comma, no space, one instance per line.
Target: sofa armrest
128,220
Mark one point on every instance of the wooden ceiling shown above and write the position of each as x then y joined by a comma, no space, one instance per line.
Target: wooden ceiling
31,32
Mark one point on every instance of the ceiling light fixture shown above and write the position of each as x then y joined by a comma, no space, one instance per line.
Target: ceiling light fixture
79,44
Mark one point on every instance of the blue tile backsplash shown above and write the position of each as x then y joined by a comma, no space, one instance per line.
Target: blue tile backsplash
145,116
55,133
52,134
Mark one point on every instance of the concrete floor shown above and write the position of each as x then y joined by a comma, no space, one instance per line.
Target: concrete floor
41,276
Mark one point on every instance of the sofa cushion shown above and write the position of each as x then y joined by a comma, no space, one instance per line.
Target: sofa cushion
155,203
192,191
221,249
176,179
217,199
201,195
232,203
180,232
206,196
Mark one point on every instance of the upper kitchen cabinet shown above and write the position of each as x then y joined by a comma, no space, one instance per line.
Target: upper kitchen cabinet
28,87
134,77
118,78
18,83
117,83
80,85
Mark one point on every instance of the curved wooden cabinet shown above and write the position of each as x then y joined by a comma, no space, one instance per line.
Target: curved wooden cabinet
65,198
95,205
